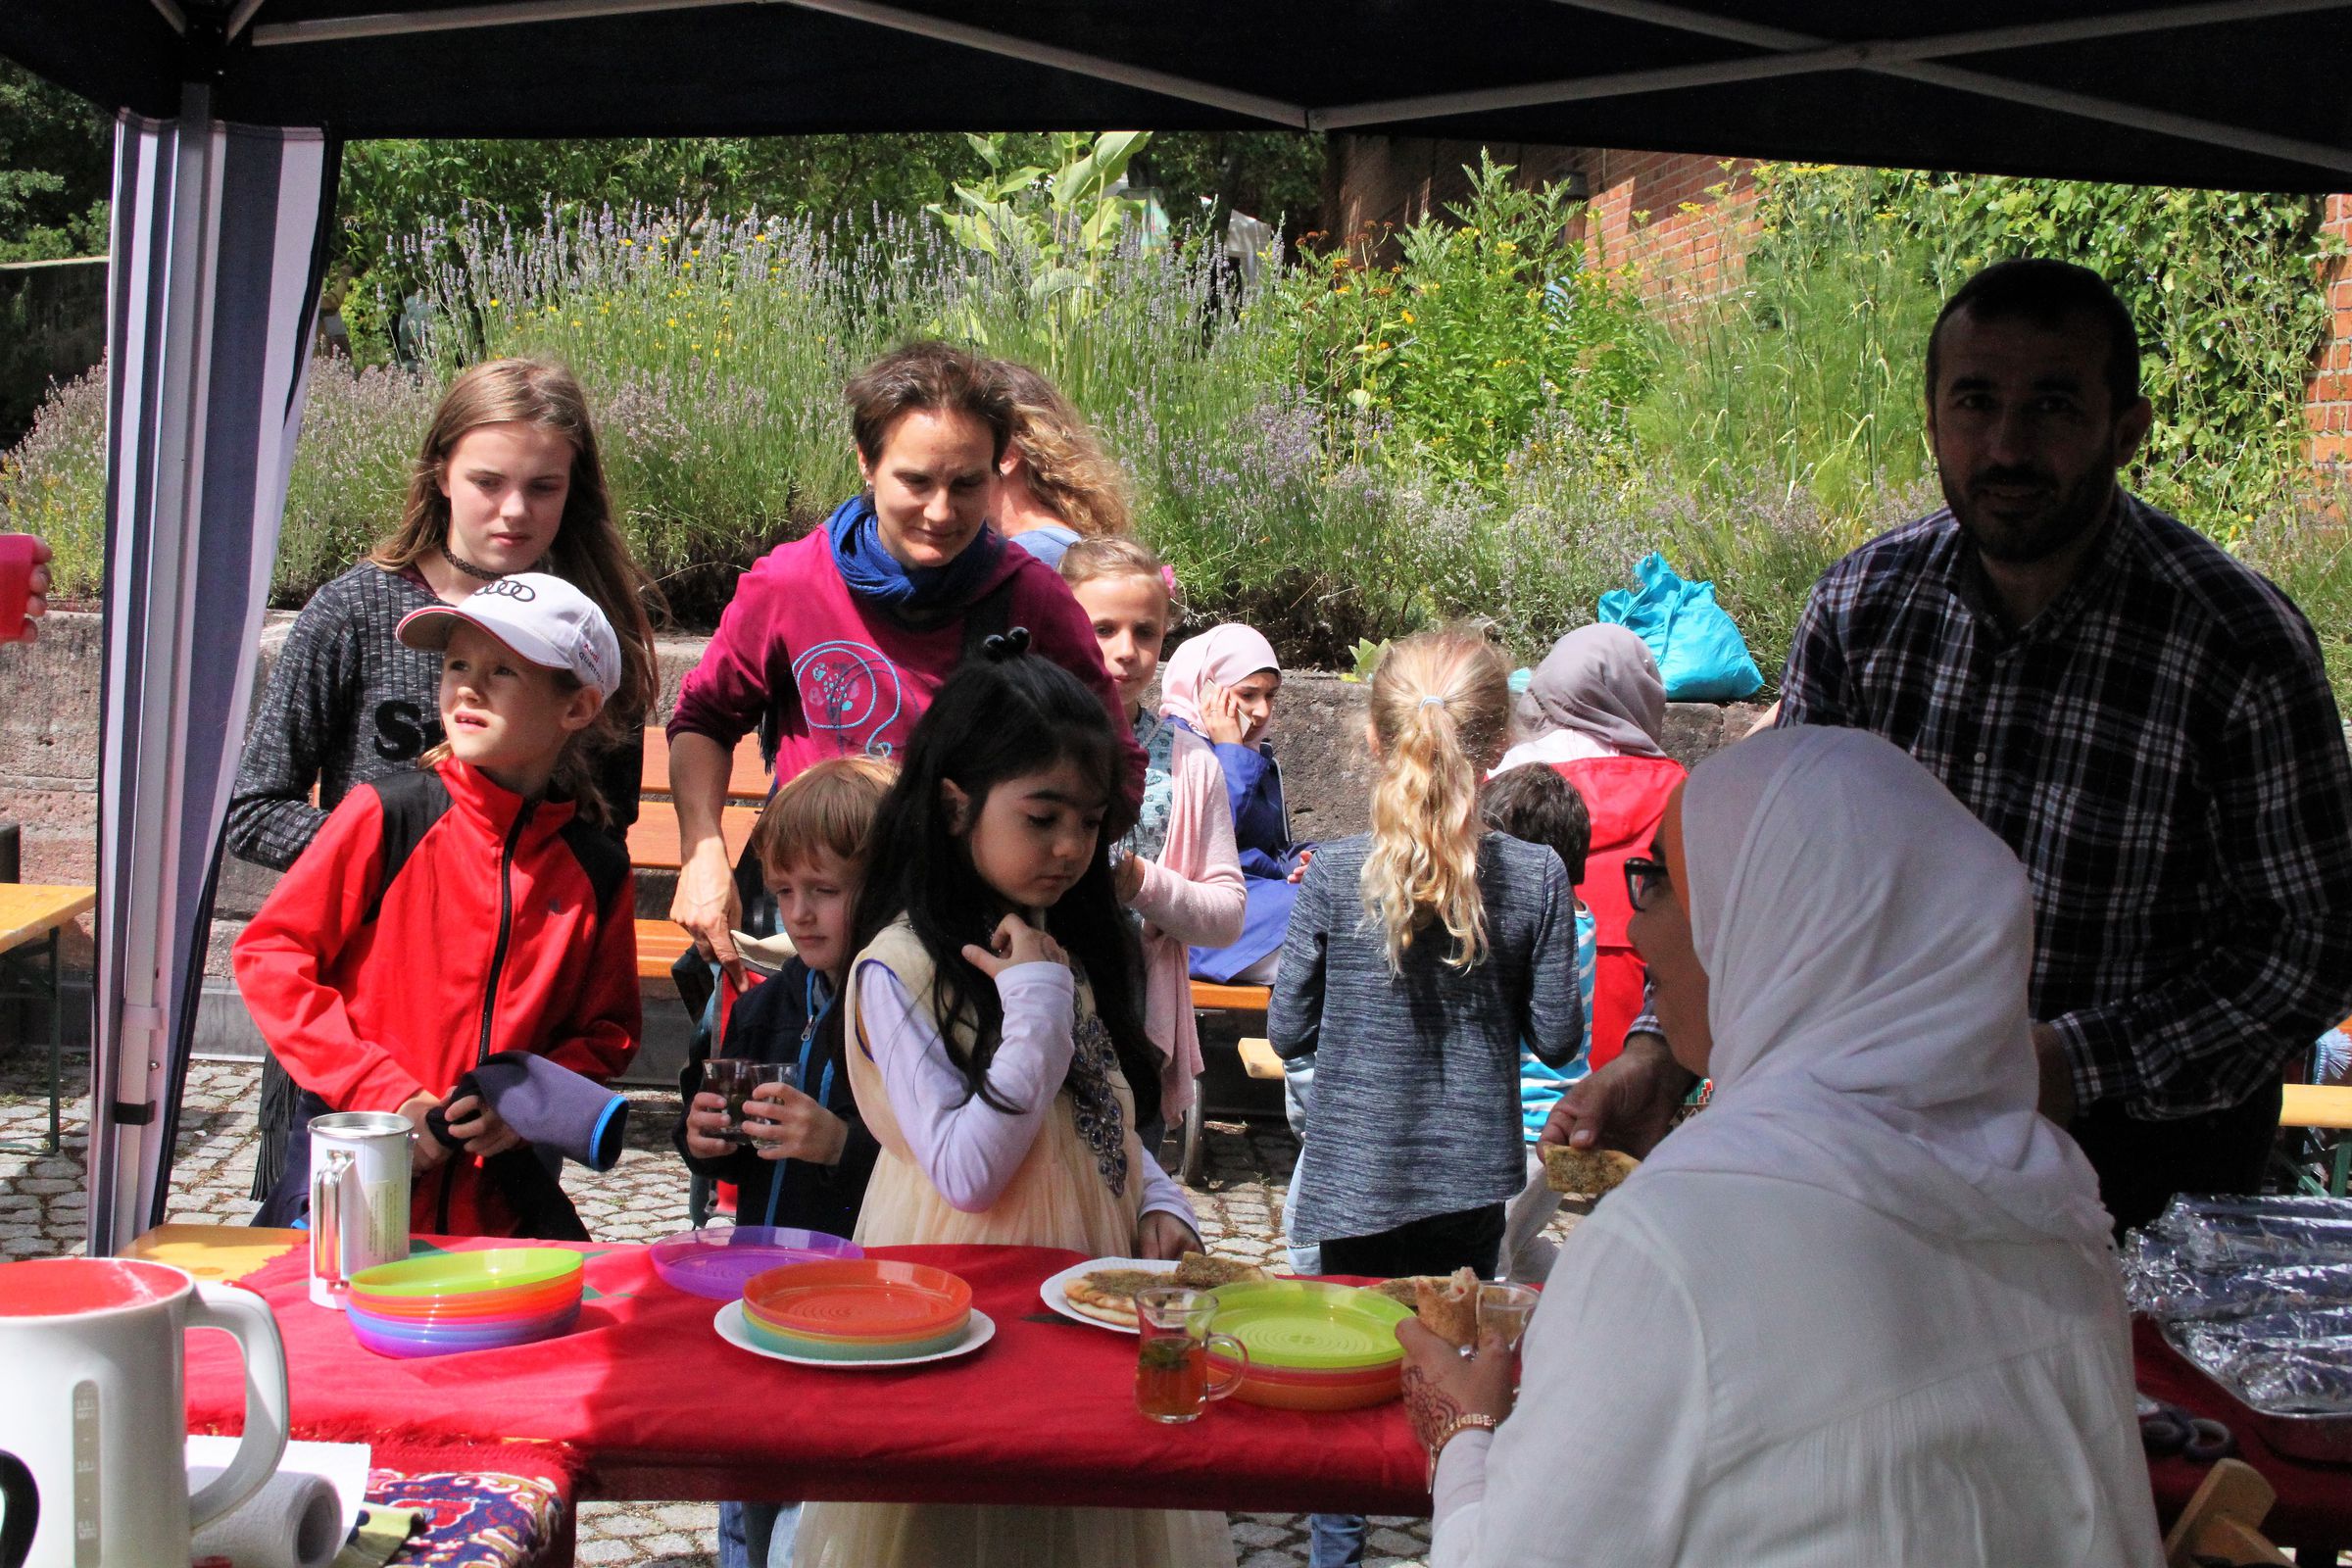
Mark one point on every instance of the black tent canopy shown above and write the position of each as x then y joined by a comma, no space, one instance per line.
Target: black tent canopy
2239,93
230,112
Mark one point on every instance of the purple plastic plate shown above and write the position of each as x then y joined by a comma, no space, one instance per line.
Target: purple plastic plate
714,1262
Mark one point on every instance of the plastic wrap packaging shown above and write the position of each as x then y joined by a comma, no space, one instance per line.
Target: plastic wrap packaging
2164,1281
2220,1232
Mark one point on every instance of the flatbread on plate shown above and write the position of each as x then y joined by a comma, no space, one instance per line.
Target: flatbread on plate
1200,1271
1108,1294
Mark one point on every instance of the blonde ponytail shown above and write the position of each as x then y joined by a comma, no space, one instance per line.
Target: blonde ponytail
1441,710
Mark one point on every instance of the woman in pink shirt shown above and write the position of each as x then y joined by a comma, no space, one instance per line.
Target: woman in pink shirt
835,642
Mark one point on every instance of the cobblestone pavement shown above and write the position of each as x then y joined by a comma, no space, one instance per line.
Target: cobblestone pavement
42,1209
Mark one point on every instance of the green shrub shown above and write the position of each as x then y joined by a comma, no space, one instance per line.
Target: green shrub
1461,350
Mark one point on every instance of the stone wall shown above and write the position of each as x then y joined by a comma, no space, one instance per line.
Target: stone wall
49,761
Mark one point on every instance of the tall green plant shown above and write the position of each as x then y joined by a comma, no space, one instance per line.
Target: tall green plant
1485,327
1059,223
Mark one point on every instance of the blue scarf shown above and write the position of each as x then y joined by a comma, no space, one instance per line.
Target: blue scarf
873,572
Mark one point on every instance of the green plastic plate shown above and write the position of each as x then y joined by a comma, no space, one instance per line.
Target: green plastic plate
1307,1326
504,1268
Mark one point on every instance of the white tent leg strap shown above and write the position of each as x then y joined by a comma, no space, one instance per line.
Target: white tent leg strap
212,297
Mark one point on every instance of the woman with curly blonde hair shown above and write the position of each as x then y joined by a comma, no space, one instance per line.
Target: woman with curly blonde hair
1056,484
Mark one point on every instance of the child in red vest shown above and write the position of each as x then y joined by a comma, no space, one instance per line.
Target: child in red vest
465,910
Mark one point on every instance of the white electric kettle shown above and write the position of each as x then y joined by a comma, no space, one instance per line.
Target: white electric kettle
91,1403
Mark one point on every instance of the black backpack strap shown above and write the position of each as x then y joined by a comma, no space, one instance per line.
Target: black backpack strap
604,863
411,803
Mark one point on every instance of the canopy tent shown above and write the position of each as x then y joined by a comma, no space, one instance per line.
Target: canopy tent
216,244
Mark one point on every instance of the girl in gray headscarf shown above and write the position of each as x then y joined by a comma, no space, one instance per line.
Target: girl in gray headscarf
1596,694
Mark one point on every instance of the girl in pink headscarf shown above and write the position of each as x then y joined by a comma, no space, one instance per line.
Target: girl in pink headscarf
1221,686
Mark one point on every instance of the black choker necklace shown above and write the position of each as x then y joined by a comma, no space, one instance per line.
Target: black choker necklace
468,567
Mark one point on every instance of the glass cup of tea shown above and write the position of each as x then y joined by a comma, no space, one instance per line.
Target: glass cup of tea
1172,1382
734,1078
1505,1309
756,1073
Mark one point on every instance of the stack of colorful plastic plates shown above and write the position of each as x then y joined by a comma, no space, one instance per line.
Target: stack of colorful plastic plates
452,1301
718,1262
857,1310
1313,1347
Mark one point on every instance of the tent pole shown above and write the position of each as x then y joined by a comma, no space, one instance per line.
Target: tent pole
1865,55
2084,106
143,971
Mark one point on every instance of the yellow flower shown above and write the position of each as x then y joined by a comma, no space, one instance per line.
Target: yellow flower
625,240
673,320
1507,248
1341,289
1408,317
493,299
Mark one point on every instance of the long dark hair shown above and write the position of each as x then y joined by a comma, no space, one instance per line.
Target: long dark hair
1001,717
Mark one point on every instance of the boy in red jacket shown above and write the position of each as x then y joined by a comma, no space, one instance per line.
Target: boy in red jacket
466,908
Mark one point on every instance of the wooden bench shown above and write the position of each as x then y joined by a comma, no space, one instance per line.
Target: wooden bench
747,778
654,844
2322,1107
1209,996
1258,1059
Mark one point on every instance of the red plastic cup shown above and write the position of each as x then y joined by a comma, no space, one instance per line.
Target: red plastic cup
18,557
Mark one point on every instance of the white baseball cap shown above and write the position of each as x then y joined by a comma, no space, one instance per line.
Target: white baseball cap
542,617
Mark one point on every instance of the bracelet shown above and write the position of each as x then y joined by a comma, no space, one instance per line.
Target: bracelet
1455,1429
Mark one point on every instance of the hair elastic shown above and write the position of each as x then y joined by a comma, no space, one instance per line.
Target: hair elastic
1433,701
1006,645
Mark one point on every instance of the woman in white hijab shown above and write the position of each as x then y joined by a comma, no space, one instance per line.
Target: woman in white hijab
1861,1308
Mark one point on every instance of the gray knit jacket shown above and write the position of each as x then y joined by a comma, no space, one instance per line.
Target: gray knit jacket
1415,1107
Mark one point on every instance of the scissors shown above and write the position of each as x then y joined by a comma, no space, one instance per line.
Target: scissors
2166,1429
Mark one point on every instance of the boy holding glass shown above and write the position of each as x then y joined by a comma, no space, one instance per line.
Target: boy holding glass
797,1155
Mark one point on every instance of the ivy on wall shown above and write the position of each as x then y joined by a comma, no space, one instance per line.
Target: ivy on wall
2226,286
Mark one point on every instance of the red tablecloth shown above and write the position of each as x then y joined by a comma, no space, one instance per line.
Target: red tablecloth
2314,1510
655,1404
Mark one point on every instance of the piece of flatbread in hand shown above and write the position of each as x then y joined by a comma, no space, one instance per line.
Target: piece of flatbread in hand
1404,1292
1200,1271
1449,1307
1108,1294
1585,1172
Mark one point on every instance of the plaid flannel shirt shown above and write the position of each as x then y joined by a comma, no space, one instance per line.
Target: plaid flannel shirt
2161,749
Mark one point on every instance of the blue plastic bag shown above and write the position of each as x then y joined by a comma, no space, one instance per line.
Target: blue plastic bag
1701,653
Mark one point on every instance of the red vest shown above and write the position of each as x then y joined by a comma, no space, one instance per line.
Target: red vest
1626,797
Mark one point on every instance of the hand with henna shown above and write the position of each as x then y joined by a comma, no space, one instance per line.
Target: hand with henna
1440,1383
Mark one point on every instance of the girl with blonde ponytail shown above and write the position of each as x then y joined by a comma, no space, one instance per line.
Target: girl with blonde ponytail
1440,716
1419,956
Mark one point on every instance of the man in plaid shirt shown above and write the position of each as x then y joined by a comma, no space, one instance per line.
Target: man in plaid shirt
2143,720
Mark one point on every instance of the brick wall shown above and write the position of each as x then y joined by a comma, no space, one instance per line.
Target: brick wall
1657,210
2327,405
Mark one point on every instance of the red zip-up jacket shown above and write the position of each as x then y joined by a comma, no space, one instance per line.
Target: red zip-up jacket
435,920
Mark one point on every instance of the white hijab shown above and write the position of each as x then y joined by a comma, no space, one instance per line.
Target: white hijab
1867,944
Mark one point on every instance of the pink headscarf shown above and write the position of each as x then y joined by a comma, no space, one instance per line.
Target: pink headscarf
1224,655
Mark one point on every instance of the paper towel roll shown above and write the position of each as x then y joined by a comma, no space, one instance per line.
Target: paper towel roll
293,1522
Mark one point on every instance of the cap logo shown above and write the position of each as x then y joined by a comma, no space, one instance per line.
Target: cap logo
519,591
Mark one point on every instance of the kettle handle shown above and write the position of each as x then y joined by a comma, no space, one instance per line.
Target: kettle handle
24,1515
245,1317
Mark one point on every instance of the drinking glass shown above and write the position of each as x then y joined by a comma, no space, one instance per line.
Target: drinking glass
749,1080
1506,1309
1171,1361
